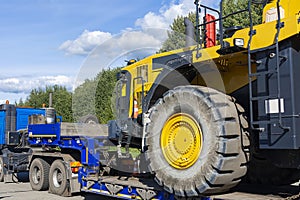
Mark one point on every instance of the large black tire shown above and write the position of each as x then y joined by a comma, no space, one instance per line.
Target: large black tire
221,163
1,169
39,174
58,182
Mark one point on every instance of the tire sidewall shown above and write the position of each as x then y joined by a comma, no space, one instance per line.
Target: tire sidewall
205,117
37,163
58,164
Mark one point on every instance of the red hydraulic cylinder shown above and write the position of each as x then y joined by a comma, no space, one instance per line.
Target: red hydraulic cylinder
210,31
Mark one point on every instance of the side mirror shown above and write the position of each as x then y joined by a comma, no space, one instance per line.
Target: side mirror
119,75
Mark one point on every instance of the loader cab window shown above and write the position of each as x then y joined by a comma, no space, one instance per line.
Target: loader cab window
139,82
123,92
142,71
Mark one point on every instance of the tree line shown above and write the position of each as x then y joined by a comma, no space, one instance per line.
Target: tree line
91,97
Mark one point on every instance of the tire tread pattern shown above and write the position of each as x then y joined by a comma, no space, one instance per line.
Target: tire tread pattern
64,189
231,154
44,185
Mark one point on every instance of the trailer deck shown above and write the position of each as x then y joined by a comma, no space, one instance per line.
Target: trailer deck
75,129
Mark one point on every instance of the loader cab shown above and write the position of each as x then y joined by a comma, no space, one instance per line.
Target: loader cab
129,93
123,125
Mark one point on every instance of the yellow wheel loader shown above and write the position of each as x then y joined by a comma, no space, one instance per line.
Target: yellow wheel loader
218,110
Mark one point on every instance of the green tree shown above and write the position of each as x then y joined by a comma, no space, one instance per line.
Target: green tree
62,100
20,103
241,19
176,37
106,82
84,99
94,96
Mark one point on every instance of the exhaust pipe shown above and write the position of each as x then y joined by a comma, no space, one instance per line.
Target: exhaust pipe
50,112
50,100
189,33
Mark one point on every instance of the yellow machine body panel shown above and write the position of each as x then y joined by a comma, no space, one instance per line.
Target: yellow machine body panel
266,33
288,8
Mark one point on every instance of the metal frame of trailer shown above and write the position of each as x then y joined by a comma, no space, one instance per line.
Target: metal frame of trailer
123,187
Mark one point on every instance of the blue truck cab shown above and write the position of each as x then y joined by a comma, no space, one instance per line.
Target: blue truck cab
14,118
14,156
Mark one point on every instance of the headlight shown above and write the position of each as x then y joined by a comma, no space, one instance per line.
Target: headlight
239,42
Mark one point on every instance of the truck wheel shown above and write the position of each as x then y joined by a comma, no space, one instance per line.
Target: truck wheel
58,179
196,141
1,169
39,174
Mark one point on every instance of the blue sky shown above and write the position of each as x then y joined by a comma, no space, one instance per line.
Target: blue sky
46,42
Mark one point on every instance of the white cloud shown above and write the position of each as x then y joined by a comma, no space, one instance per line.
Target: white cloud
112,53
152,20
11,81
127,40
153,31
25,84
85,42
131,40
166,15
12,97
2,101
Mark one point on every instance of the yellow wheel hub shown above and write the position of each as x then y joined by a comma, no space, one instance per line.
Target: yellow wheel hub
181,141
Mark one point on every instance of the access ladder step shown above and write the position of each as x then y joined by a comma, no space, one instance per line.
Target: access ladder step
264,122
263,73
263,98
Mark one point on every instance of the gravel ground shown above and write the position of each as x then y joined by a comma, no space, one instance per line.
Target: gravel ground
22,191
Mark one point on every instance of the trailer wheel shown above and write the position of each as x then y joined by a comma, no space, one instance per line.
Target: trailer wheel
39,174
196,141
1,169
58,179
